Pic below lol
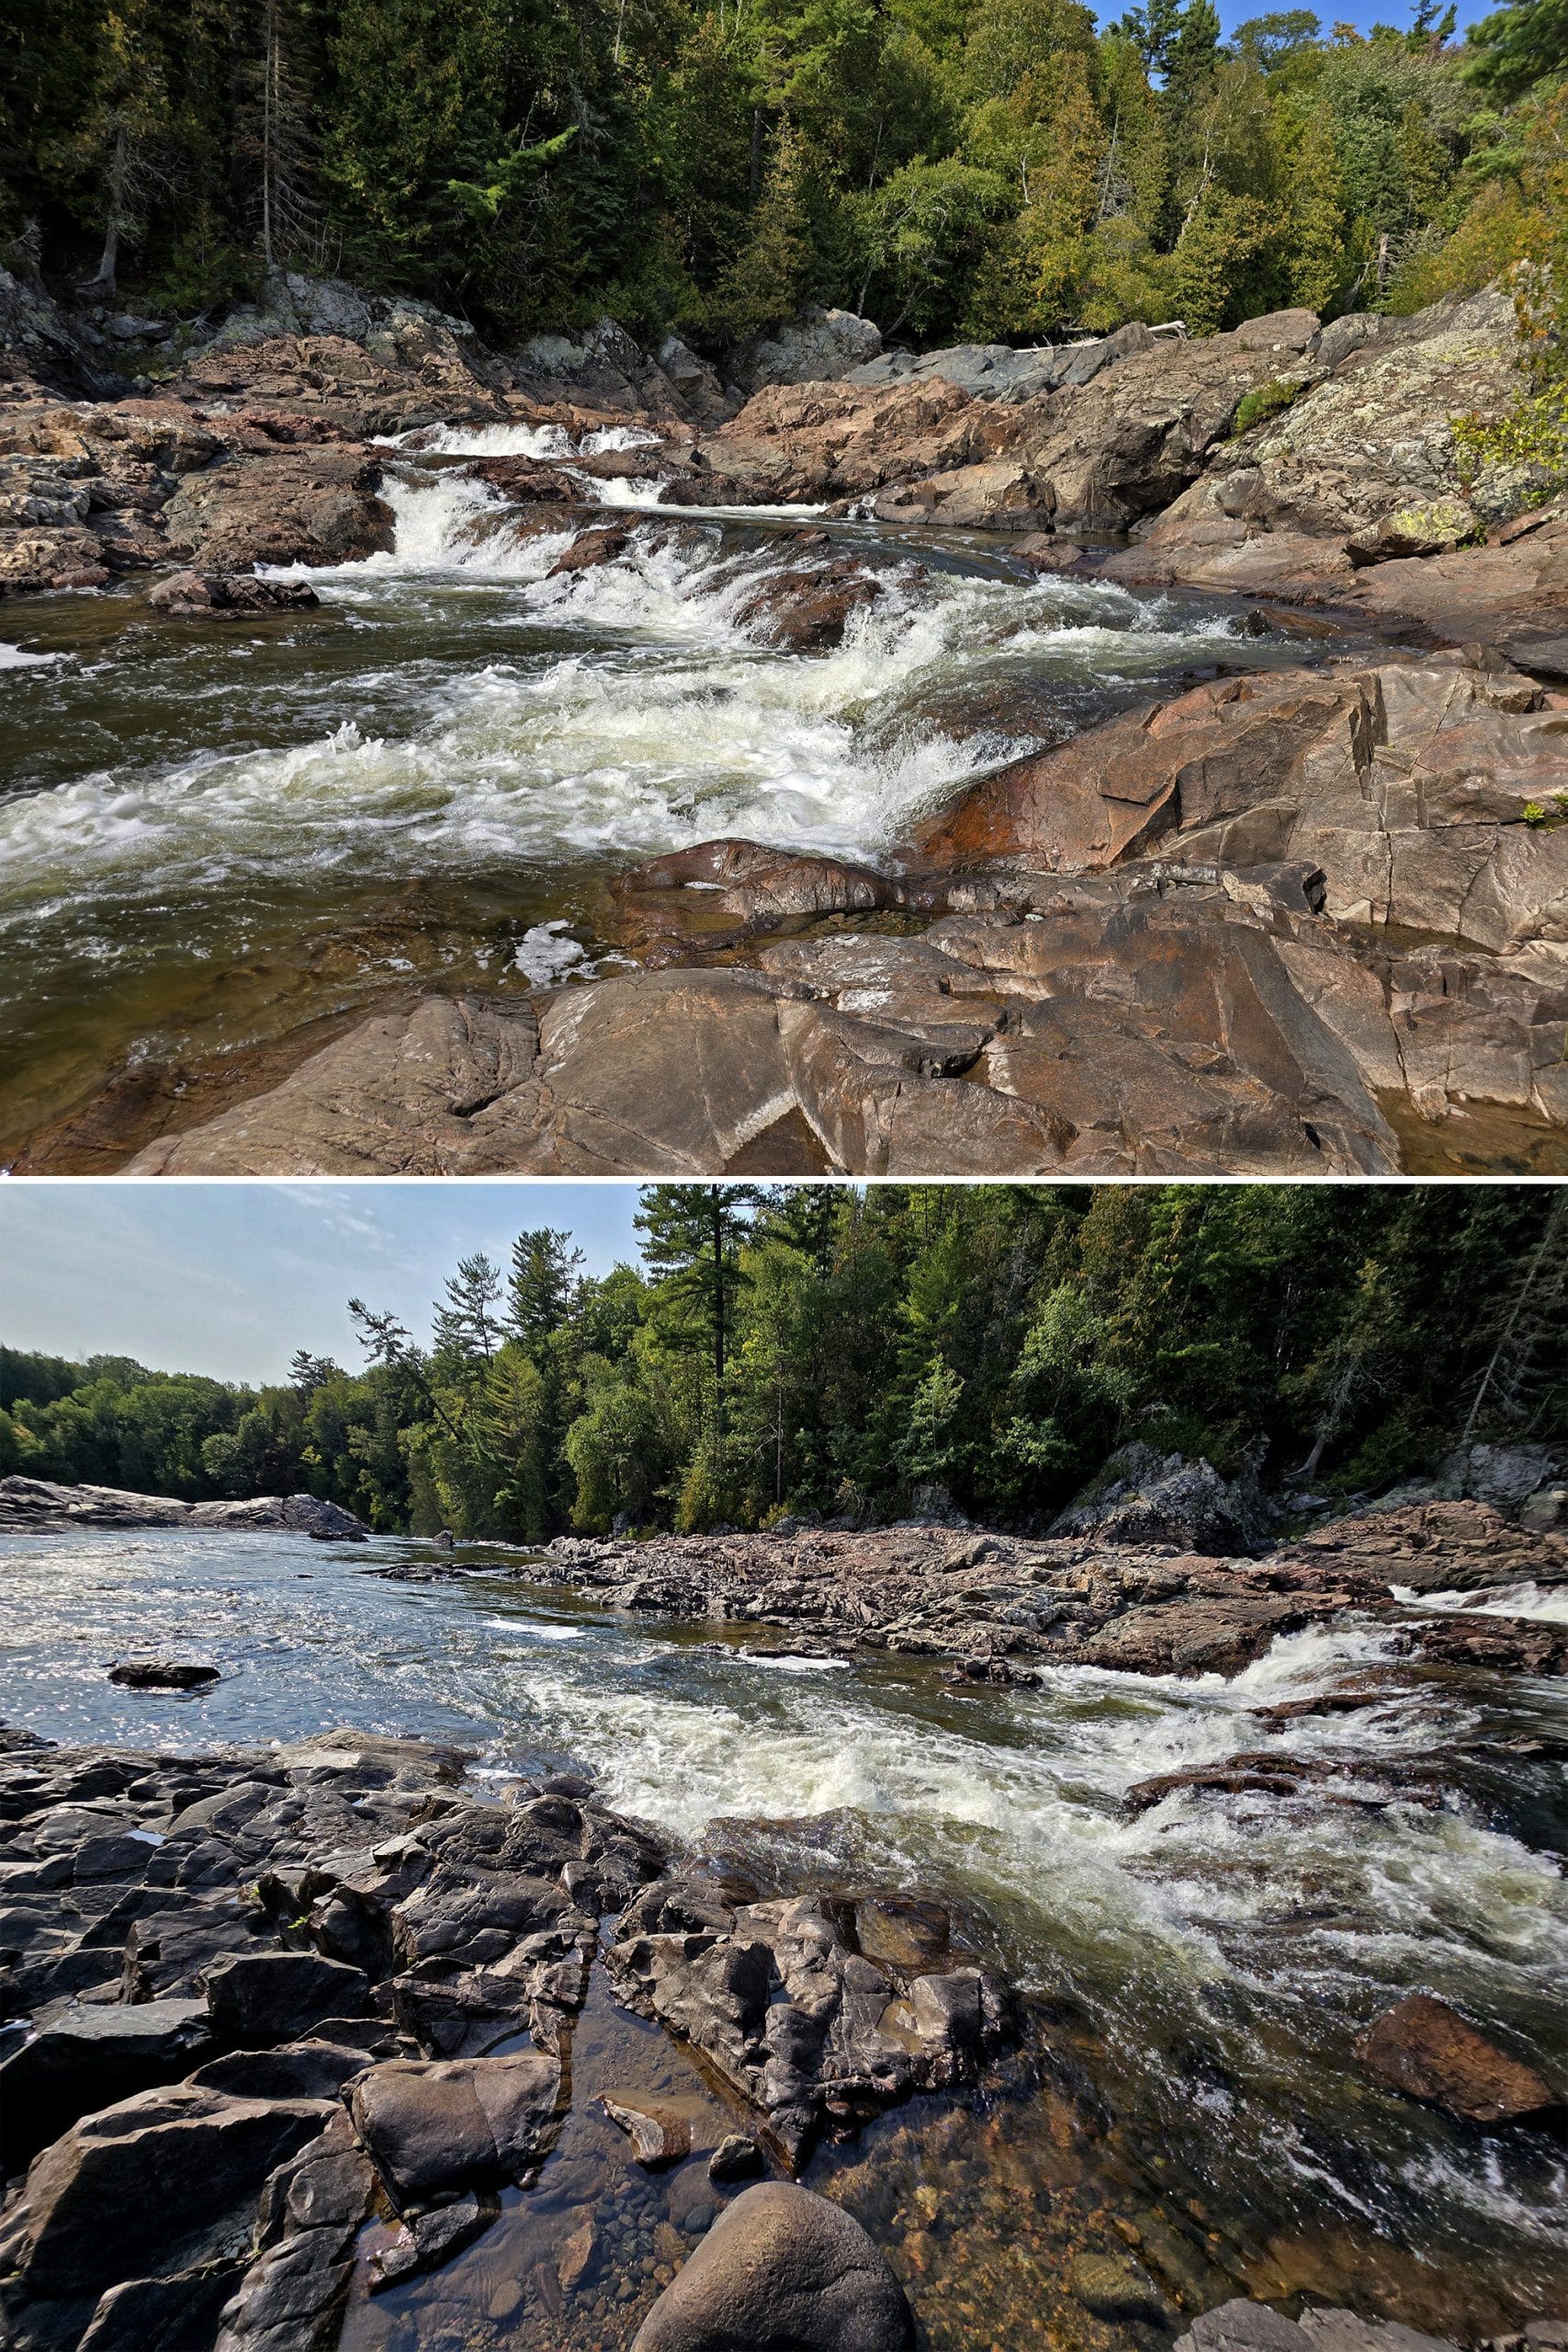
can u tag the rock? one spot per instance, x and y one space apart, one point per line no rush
1424 2048
1141 1497
227 595
180 2314
427 2240
804 2028
781 2270
313 2068
735 2158
808 610
433 2127
85 2221
657 2137
1279 331
292 2296
40 1503
818 347
1405 787
257 1999
163 1674
1429 526
1241 2327
92 2057
313 506
1115 2287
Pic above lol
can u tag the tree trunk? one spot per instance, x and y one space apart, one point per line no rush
103 281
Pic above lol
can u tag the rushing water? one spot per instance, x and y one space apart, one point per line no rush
1199 1972
214 834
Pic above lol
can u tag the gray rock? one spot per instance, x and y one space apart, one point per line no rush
257 1999
1140 1497
89 2058
782 2271
433 2127
85 2219
818 347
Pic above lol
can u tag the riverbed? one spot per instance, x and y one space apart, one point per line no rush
217 840
1187 2098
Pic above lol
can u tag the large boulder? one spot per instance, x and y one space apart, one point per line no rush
816 348
434 2127
300 505
1423 2047
782 2271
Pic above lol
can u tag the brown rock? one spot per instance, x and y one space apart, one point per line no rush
436 2126
782 2271
227 595
1423 2047
299 506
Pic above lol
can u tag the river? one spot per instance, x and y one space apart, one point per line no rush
1197 1973
215 836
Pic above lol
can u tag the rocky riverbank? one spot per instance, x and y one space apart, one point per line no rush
41 1505
331 2003
1002 1606
1309 922
326 1999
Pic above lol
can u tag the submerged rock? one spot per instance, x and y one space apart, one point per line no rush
1423 2047
782 2271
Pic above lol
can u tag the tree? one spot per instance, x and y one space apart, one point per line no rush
693 1234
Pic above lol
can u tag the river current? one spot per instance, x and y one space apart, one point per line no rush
215 835
1197 1973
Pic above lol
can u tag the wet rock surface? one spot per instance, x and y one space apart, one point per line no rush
788 2272
1425 2048
322 1985
1338 914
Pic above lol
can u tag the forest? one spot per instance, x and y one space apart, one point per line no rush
994 169
825 1349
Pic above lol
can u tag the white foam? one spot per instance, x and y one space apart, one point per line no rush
544 955
18 657
530 1629
1547 1605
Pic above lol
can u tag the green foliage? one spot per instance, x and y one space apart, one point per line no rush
986 167
1264 401
1000 1340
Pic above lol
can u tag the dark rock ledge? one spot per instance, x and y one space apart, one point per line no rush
311 1985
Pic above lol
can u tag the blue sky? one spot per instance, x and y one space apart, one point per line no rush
230 1279
1338 12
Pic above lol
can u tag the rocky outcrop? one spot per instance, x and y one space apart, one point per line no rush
993 1602
818 347
783 2271
1242 2326
42 1504
1423 2047
227 595
1140 1497
1446 1546
790 2012
299 506
1415 789
223 1907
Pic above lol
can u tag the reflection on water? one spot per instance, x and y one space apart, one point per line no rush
213 833
1189 2101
